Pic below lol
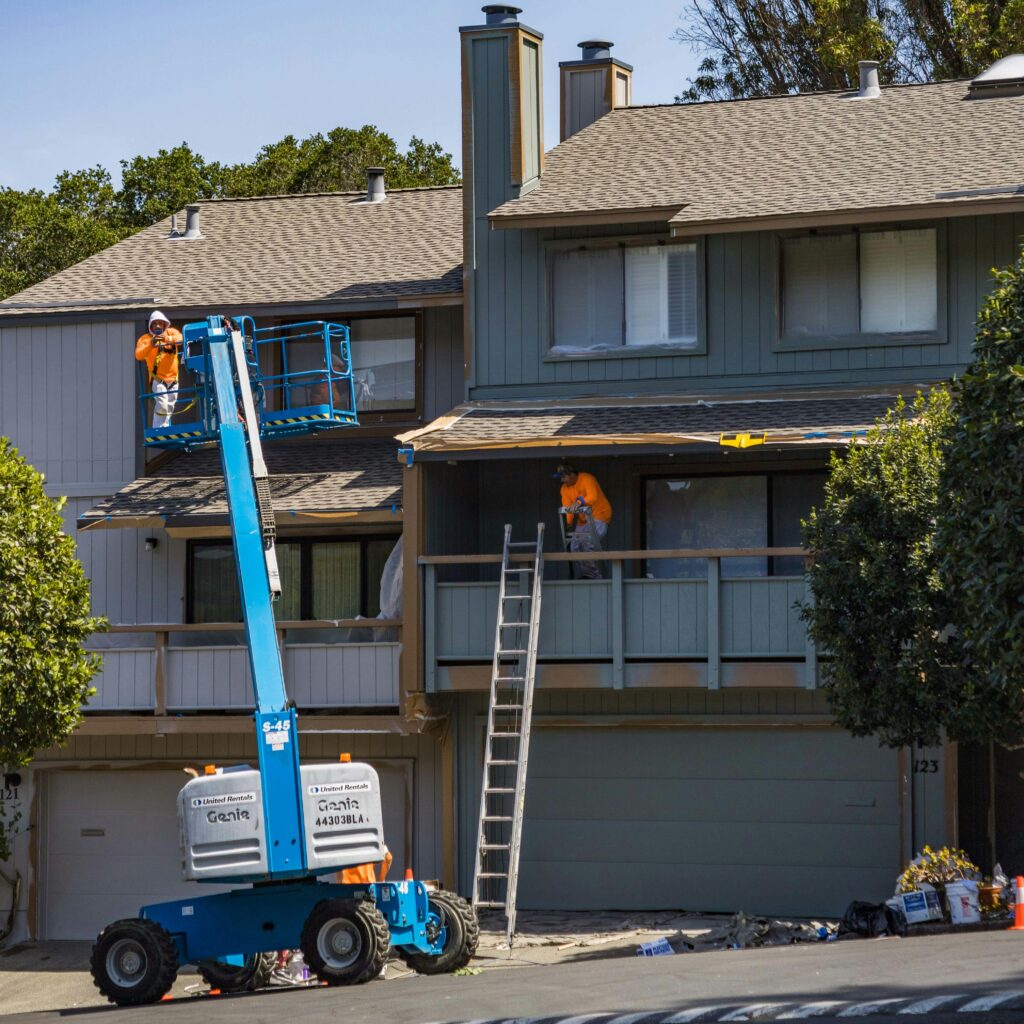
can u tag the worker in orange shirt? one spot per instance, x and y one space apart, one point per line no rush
159 350
583 489
365 874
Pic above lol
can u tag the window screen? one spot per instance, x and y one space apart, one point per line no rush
898 284
586 293
819 285
707 512
214 584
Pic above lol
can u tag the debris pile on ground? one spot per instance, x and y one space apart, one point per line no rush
744 931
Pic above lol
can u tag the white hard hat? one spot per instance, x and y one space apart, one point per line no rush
157 315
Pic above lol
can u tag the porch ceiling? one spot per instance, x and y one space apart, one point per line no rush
825 419
325 482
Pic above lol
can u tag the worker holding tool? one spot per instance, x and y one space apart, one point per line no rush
159 350
581 490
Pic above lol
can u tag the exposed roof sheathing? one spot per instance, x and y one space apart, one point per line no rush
736 161
325 481
828 419
300 249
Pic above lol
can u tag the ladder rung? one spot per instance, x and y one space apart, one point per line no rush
492 874
499 789
489 903
500 764
522 543
504 735
497 817
495 846
510 650
528 568
506 707
517 597
513 625
510 679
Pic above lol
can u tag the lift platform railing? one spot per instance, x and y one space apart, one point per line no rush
301 377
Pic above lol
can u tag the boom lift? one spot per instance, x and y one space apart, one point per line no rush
277 828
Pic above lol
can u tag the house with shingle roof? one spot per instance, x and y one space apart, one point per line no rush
696 303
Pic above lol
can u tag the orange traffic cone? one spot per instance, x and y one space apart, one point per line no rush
409 876
1018 907
166 997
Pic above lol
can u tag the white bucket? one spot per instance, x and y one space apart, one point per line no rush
963 902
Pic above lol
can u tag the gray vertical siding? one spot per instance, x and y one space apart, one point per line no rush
511 342
586 100
67 400
129 583
444 383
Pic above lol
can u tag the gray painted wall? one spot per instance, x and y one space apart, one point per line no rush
511 332
67 402
444 384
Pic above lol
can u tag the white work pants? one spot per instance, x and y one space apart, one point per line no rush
584 539
165 394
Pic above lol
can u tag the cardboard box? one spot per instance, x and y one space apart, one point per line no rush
919 907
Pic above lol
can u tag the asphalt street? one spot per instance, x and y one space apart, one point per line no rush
970 967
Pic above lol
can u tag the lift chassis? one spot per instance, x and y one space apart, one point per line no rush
266 829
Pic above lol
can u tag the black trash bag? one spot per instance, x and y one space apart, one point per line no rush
870 920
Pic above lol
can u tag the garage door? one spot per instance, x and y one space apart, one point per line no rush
111 845
771 822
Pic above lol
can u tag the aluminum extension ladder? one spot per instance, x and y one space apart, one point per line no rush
507 746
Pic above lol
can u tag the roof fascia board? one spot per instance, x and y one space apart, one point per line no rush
353 306
197 525
878 214
630 215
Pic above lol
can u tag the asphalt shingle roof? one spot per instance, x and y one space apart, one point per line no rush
308 477
783 156
333 247
822 419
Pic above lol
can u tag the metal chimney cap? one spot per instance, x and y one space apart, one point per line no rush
869 85
596 49
375 191
501 14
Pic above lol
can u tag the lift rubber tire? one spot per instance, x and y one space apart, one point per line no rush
463 934
253 974
134 962
344 942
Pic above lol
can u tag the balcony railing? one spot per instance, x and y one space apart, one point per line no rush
171 670
731 631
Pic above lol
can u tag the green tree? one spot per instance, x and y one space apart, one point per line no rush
770 47
42 233
981 528
879 607
154 187
44 621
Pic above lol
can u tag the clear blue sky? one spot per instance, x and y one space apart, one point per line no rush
88 83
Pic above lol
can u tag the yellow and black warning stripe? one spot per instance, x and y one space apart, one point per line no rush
174 437
297 419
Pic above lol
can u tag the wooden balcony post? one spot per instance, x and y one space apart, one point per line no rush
618 628
159 673
714 632
410 672
430 627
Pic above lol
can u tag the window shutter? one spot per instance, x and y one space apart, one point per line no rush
646 320
587 298
819 278
898 289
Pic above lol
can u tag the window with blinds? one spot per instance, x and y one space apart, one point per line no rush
869 282
627 297
320 579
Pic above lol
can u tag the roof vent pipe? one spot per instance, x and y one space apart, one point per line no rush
375 185
174 227
501 14
596 49
192 221
869 87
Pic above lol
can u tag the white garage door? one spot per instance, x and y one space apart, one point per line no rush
772 822
111 845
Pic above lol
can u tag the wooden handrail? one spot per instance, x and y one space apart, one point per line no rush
621 556
237 627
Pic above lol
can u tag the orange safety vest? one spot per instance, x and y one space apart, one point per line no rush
587 488
365 874
162 365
